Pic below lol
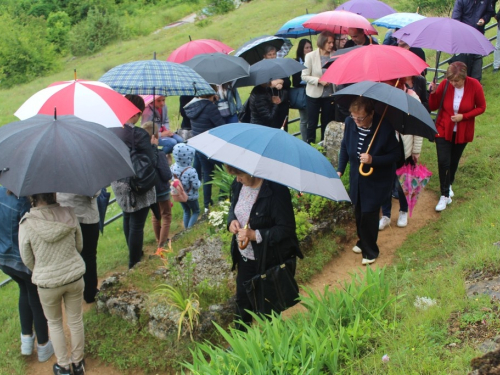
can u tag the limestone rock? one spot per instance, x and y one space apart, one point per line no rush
334 133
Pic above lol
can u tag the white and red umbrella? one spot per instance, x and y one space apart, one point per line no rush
89 100
339 22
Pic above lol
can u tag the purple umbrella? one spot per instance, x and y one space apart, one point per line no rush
444 35
367 8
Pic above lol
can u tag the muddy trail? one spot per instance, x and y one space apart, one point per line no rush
333 274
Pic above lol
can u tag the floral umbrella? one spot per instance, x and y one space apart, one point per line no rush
413 179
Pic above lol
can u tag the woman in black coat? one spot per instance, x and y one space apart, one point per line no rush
267 209
263 106
367 193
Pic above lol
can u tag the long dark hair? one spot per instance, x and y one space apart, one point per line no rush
300 49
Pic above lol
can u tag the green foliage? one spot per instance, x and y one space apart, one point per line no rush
221 6
222 180
95 32
335 331
303 225
58 27
25 52
429 7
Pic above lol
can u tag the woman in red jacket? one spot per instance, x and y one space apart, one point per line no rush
463 101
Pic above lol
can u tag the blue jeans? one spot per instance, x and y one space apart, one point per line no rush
207 167
231 119
168 143
191 212
387 204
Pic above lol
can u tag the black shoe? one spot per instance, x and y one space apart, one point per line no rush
79 369
59 370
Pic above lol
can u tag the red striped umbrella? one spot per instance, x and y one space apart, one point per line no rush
89 100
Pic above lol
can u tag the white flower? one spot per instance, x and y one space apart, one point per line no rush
423 303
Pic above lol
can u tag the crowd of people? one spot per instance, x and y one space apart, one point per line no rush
49 241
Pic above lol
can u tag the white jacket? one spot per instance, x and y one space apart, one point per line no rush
312 73
50 240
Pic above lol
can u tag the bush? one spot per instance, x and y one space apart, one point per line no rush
429 7
58 28
94 33
222 6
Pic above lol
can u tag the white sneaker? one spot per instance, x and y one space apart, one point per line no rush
45 352
365 261
452 194
443 202
384 222
356 249
402 219
27 344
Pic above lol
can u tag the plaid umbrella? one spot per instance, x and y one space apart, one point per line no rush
156 77
285 48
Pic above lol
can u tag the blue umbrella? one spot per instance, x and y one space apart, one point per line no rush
156 77
274 155
397 20
294 28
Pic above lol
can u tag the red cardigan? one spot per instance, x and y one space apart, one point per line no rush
473 104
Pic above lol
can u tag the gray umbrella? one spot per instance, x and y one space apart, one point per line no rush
68 155
218 68
268 69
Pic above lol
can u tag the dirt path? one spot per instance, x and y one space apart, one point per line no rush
334 273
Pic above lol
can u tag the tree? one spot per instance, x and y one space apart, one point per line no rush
58 28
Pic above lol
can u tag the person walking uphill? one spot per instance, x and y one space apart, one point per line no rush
50 242
12 209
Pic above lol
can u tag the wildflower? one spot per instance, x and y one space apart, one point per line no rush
423 303
385 358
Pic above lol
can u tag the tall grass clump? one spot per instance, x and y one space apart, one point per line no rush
335 331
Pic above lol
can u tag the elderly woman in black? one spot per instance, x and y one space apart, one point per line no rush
267 209
367 193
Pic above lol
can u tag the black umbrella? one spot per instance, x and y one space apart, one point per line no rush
406 114
253 50
64 154
218 68
269 69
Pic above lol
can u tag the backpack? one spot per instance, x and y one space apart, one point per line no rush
145 171
177 190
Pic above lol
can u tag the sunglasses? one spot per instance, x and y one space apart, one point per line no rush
358 118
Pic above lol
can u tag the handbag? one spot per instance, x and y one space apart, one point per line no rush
297 96
274 289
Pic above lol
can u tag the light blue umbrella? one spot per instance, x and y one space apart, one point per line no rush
294 28
274 155
397 20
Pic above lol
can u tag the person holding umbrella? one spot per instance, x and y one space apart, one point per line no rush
368 193
318 92
305 46
459 100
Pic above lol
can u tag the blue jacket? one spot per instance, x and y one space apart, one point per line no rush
204 115
184 156
12 209
471 11
385 151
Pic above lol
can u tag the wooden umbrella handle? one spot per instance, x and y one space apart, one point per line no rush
370 145
243 244
364 173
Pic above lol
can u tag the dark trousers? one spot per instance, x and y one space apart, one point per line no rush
387 204
314 105
90 234
30 309
448 155
133 228
367 228
207 168
246 270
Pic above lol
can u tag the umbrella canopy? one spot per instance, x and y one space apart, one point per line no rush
374 63
67 155
406 114
294 28
367 8
413 180
274 155
253 50
218 68
339 53
268 69
156 77
445 35
196 47
339 22
89 100
398 20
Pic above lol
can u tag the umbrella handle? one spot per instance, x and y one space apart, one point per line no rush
243 244
364 173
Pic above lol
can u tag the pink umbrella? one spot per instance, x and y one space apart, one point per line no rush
374 63
339 22
197 47
89 100
413 180
367 8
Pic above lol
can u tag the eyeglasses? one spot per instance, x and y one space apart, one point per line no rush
358 118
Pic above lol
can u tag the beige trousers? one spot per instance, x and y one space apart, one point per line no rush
72 296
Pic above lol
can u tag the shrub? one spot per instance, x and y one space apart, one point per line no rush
58 27
222 6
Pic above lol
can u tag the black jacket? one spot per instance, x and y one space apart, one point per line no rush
273 211
350 43
164 175
204 115
141 140
374 189
262 110
420 88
